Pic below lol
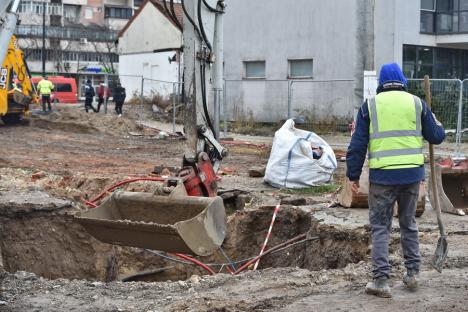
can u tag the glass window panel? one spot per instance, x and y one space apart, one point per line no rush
427 5
425 55
444 22
409 53
427 22
300 68
463 5
446 5
463 21
255 69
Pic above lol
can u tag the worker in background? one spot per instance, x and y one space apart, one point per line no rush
45 87
391 127
103 95
119 98
89 96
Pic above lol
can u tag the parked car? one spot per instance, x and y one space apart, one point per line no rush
65 89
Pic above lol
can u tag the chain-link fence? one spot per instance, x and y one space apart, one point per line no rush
323 105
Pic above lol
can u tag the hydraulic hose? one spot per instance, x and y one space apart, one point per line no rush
189 18
173 14
202 28
203 90
209 7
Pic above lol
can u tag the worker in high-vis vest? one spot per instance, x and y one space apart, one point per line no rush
45 87
390 129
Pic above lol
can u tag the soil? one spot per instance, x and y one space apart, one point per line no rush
50 263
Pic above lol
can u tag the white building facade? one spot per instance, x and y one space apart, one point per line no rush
150 48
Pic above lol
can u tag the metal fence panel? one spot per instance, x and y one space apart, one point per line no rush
446 96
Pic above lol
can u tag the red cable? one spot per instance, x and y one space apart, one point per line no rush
200 264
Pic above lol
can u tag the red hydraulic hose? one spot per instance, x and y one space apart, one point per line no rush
193 260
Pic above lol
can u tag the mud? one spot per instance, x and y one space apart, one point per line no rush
53 264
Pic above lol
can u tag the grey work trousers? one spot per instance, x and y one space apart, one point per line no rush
382 199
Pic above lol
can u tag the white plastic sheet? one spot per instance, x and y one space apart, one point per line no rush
291 163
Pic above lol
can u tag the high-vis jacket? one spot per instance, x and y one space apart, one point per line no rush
395 130
45 87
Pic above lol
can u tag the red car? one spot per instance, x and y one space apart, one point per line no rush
65 89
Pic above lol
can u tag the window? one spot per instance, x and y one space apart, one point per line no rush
88 13
63 87
446 16
254 69
427 5
300 68
439 63
115 12
137 3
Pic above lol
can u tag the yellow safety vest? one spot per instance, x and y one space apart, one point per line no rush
395 140
45 87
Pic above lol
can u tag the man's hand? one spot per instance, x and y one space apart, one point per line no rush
354 186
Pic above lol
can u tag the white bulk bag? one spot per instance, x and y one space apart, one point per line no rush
291 164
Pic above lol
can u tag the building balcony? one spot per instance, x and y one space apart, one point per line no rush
66 33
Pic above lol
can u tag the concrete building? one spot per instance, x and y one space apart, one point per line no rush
80 36
323 48
149 47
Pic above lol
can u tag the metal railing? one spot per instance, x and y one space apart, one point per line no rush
67 32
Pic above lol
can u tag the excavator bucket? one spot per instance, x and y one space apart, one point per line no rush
349 199
174 223
452 186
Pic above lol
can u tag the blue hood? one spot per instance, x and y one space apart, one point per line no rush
392 73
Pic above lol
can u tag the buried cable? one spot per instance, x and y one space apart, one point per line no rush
233 266
195 261
275 249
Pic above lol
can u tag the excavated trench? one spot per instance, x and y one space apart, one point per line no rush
47 241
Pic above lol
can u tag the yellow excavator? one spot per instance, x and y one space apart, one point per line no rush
16 88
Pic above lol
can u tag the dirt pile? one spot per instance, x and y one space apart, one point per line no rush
71 119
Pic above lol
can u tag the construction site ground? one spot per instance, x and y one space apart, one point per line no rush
50 164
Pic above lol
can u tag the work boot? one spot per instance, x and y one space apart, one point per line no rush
411 279
379 287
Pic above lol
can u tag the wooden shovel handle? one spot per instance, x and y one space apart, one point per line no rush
435 193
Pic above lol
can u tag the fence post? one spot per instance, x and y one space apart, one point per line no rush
289 99
106 87
174 90
224 111
458 153
141 91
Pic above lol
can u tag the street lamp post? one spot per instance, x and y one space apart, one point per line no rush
43 38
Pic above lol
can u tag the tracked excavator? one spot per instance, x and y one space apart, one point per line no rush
16 88
184 215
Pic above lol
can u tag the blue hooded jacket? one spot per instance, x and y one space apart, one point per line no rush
391 78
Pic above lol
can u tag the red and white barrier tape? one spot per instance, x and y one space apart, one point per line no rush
268 235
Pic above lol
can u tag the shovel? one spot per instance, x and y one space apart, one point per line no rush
442 246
